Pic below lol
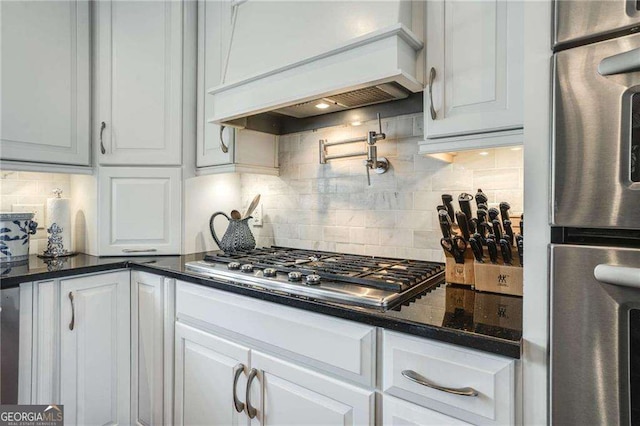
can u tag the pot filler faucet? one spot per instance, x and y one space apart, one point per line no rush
379 165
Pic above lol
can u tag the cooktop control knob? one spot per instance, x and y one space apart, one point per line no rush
234 266
269 272
295 276
313 279
246 268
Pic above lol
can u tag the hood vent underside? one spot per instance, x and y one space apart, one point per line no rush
347 100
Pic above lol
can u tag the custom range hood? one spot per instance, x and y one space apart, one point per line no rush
282 77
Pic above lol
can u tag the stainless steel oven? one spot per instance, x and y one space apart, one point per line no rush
578 21
596 95
595 335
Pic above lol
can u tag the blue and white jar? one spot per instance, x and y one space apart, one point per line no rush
15 229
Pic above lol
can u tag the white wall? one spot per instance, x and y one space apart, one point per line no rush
204 196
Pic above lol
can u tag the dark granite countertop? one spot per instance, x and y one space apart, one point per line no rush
449 313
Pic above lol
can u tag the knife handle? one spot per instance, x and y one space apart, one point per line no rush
497 229
464 200
447 199
476 247
493 213
504 210
522 224
445 223
508 231
493 250
481 198
505 249
482 215
520 246
480 239
463 225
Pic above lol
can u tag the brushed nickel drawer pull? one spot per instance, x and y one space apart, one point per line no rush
237 371
417 378
73 312
251 411
139 250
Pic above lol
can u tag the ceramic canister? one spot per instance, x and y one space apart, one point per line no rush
15 229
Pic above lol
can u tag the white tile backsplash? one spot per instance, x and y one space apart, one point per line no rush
31 188
330 207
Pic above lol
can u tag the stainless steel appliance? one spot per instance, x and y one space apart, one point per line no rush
374 282
595 215
580 21
9 344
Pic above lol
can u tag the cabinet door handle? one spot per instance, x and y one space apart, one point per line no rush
223 147
102 126
151 250
251 411
73 312
417 378
237 371
432 76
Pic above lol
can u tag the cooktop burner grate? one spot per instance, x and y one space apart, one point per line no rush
376 272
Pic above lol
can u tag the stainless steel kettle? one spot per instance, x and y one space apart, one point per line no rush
237 237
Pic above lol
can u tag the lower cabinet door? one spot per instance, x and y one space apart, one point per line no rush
396 412
292 395
152 323
205 367
95 349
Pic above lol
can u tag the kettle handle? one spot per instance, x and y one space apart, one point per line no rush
213 232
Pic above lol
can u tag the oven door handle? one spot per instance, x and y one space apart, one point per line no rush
618 275
621 63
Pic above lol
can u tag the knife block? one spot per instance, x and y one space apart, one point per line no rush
496 278
459 273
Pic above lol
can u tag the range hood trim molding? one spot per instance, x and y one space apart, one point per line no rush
399 30
380 57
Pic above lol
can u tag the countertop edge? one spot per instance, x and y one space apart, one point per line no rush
484 343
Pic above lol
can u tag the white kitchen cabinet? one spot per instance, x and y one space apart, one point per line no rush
396 412
475 58
95 349
152 326
290 394
224 149
138 82
45 97
139 211
205 369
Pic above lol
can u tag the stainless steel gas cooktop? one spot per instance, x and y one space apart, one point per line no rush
378 282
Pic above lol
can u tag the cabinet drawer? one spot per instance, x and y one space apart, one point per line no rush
341 347
449 367
396 412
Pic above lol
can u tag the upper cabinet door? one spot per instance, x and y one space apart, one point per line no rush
214 25
474 59
138 82
45 81
139 211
